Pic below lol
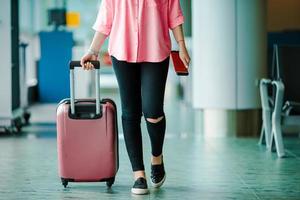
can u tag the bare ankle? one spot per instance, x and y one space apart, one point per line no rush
139 174
156 160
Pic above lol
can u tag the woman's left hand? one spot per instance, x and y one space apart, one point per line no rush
184 56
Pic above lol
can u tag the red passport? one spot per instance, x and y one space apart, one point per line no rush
179 66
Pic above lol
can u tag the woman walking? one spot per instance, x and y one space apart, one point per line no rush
140 46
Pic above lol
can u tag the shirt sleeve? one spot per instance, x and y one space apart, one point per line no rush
176 17
104 19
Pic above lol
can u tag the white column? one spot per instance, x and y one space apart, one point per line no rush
229 58
251 51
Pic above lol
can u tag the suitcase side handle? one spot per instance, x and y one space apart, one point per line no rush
74 64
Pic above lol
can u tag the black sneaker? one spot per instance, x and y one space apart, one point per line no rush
140 186
158 175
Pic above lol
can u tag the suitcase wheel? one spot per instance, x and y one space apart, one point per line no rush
64 182
110 182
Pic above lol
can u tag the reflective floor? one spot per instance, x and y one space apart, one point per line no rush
197 167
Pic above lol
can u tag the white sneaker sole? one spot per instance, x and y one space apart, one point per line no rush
157 185
139 191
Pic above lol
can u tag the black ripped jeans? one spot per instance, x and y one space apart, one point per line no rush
142 89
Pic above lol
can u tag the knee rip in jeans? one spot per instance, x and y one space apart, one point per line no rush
155 120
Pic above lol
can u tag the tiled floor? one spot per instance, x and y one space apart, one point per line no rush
197 167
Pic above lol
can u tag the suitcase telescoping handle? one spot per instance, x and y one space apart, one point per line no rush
74 64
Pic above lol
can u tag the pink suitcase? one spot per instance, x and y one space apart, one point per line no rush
87 137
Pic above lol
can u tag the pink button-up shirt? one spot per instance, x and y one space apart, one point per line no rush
139 29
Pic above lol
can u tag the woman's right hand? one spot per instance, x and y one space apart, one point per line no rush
86 65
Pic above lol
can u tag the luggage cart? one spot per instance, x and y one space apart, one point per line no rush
11 114
16 118
23 85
